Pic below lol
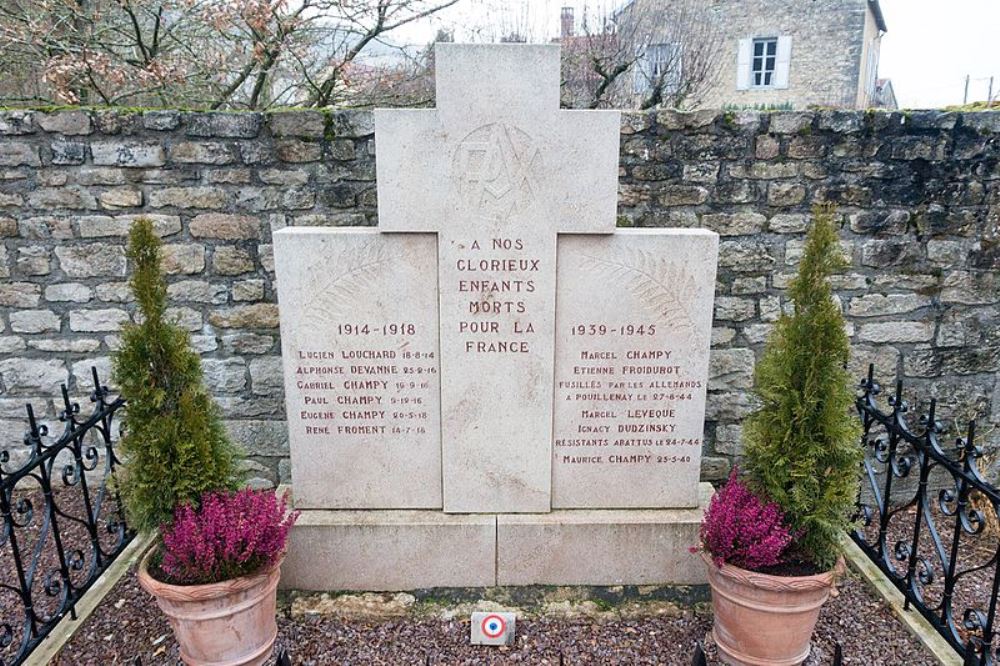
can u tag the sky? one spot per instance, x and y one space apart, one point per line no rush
930 48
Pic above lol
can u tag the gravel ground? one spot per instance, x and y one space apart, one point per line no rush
975 552
128 625
74 537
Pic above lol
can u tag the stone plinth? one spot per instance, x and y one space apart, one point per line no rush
389 550
602 547
409 550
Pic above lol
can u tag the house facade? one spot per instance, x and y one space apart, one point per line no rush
777 53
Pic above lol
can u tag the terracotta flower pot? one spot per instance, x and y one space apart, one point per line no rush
231 623
763 620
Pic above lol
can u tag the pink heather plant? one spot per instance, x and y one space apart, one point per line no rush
741 529
228 536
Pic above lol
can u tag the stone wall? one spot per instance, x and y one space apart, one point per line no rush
919 194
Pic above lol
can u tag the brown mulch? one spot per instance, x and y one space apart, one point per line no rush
128 625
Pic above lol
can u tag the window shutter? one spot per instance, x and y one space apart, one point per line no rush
743 57
783 64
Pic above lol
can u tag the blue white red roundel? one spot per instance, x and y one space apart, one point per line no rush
493 626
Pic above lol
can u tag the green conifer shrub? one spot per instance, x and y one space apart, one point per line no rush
174 442
802 445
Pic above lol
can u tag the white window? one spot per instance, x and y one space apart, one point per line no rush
658 66
765 57
763 62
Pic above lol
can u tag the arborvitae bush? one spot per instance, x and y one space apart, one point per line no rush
802 448
175 444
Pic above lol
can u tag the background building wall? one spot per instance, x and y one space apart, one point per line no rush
827 40
919 195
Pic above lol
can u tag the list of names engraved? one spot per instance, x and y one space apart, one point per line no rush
631 370
359 330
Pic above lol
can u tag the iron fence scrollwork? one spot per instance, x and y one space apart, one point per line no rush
63 521
923 514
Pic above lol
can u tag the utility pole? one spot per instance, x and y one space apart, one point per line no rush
965 98
989 95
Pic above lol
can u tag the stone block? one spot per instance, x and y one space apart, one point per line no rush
73 292
730 369
122 197
99 226
390 551
247 343
791 122
589 547
258 315
183 258
72 197
128 154
198 291
683 195
283 176
107 320
728 308
68 152
303 124
734 224
188 197
187 318
16 153
225 227
72 122
265 375
248 290
19 294
876 305
63 345
297 151
114 292
229 260
781 195
34 321
208 152
161 121
224 124
897 331
45 227
24 376
93 260
227 375
32 260
16 122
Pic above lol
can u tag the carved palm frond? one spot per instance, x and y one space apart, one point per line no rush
664 287
344 293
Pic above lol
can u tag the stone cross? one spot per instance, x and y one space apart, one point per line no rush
497 170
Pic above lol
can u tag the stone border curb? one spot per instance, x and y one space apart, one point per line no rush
47 650
914 622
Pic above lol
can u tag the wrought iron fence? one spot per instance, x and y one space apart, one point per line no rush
63 523
928 519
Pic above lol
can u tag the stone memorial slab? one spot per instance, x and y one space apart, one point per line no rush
497 170
634 313
359 336
495 385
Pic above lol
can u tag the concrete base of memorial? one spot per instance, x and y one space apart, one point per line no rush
409 550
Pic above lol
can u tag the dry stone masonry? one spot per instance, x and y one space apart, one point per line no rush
919 193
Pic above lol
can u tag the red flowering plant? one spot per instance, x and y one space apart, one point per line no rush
744 530
227 535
